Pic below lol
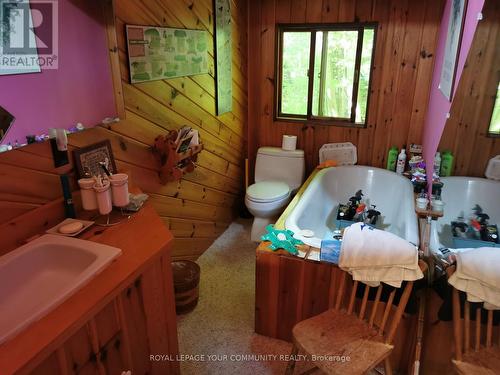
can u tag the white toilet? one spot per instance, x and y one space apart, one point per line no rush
278 175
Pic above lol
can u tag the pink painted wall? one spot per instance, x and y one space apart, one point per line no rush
439 106
80 90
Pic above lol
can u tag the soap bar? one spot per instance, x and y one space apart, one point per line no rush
70 228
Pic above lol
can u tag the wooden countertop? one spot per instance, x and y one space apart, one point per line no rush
142 239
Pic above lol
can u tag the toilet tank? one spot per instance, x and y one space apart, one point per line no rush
273 163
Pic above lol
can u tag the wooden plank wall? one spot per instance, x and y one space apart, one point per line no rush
466 130
402 71
198 208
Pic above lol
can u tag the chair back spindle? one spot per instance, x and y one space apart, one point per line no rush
464 343
370 313
375 306
340 295
478 329
352 298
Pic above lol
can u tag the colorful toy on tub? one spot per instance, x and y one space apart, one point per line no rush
478 229
372 216
356 211
350 210
281 239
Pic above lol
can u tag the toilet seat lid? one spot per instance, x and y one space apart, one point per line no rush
265 191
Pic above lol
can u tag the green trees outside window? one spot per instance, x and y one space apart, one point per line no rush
495 117
323 72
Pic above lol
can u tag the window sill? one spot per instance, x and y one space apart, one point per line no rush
321 122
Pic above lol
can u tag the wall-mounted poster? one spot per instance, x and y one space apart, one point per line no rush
223 56
160 53
18 42
452 47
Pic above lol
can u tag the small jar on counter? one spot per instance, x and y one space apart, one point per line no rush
103 194
119 187
89 200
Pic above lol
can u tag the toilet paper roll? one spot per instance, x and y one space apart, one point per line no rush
289 142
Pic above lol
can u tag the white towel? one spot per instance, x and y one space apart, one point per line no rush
373 256
477 275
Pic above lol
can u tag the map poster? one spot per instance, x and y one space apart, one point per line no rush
161 53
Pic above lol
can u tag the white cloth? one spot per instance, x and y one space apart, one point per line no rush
478 276
373 256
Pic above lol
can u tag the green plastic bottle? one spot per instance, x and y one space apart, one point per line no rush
392 158
446 164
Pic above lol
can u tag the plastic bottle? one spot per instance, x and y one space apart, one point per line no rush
392 157
437 163
400 168
446 164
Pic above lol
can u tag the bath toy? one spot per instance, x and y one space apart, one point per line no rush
372 215
356 198
281 239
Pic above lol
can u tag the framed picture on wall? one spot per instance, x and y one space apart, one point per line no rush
452 47
156 53
222 56
88 159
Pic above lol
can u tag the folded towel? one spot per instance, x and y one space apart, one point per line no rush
367 247
477 275
373 256
393 276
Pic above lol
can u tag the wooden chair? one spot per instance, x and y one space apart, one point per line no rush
338 333
476 355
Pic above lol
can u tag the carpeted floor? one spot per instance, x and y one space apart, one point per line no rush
221 328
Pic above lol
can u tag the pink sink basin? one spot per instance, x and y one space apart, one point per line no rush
39 276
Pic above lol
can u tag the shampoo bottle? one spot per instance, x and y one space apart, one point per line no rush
446 164
400 168
392 158
437 163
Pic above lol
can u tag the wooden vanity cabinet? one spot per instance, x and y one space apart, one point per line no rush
137 322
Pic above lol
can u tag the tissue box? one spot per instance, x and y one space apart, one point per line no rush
330 251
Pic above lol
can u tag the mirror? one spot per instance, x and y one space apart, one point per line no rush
494 128
6 120
75 83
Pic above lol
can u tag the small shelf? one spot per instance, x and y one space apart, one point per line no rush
429 213
193 150
165 151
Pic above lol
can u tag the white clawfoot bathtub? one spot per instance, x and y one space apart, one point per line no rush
460 195
391 193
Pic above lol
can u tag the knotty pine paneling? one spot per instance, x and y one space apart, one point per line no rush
199 207
465 133
405 46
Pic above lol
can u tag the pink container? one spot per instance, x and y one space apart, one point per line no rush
119 188
88 194
103 194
